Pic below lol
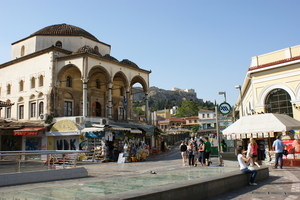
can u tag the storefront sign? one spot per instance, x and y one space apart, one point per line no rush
28 131
64 125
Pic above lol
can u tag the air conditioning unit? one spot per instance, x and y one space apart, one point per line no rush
44 116
79 120
104 121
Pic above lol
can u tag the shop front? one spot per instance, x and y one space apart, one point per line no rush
33 138
115 143
64 135
264 128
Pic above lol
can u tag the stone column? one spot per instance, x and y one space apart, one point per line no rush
146 108
109 114
84 107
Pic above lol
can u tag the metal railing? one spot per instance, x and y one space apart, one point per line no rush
21 161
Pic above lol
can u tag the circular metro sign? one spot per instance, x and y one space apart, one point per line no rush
224 108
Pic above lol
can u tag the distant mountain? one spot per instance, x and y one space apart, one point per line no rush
160 99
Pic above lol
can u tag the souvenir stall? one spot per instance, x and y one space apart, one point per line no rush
264 128
114 143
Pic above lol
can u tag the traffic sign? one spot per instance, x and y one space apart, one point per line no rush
224 108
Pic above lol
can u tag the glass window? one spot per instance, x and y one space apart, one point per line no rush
32 82
21 85
69 81
58 44
98 84
41 108
21 112
8 112
23 50
33 109
279 101
68 108
41 80
8 89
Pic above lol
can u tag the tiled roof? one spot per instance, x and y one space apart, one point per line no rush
274 63
5 104
130 63
65 30
86 49
193 117
205 111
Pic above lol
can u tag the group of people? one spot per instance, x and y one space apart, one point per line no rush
251 156
196 152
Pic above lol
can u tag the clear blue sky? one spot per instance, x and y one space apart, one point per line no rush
204 45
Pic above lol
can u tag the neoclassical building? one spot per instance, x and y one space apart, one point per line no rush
64 71
272 84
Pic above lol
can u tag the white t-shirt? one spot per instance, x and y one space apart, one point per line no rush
241 162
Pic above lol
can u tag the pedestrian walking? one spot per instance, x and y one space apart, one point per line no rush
207 151
201 151
243 167
252 152
223 149
183 149
278 147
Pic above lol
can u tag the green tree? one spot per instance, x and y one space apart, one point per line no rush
195 128
188 109
140 111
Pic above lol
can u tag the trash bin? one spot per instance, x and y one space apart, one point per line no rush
214 150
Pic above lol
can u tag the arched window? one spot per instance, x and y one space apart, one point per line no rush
41 81
32 82
21 85
23 50
8 89
96 48
68 81
98 84
279 101
58 44
41 108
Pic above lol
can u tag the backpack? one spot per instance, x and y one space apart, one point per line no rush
183 147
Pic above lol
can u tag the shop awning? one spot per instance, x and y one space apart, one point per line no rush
91 130
118 128
268 122
137 131
28 131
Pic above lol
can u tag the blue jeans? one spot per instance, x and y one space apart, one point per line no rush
253 174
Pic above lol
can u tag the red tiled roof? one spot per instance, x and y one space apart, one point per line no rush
205 111
274 63
5 104
192 117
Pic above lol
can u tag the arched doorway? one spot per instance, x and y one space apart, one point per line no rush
96 109
279 101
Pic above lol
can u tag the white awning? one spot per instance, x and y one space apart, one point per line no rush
137 131
92 129
118 128
62 133
263 123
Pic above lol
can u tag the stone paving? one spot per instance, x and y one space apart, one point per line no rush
282 184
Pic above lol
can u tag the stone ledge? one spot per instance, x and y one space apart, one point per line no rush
42 176
195 189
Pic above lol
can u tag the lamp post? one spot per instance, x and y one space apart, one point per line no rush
240 88
220 93
217 127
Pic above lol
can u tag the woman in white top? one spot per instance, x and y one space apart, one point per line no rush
243 167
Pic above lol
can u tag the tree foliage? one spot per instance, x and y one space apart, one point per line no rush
188 109
195 128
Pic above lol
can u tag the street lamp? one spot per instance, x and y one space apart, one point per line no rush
217 128
240 88
220 93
